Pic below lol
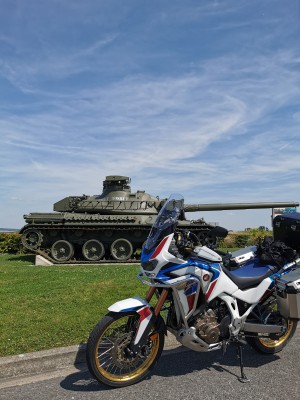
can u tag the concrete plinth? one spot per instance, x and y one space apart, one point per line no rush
41 261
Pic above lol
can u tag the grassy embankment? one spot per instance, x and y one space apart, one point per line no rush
46 307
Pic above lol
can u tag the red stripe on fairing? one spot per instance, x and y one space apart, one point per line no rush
266 294
211 288
159 248
144 313
191 301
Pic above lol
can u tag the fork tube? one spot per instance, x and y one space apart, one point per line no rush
161 301
150 293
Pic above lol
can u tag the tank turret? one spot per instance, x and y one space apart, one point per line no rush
116 198
110 226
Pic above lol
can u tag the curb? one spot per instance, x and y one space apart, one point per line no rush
41 361
46 361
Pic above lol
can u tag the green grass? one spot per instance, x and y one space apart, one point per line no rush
46 307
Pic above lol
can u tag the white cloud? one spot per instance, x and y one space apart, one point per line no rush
216 126
178 114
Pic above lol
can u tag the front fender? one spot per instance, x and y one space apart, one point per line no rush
142 308
146 322
131 304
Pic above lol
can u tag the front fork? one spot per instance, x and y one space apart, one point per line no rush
149 319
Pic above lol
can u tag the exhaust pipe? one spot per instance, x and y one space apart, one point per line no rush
261 328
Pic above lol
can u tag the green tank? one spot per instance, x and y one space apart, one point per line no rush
111 226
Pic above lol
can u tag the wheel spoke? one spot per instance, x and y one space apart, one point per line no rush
108 361
105 352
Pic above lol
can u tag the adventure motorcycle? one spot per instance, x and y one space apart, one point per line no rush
200 299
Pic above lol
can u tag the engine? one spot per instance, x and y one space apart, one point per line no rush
213 324
208 328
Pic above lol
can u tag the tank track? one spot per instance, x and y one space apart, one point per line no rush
43 231
65 230
83 262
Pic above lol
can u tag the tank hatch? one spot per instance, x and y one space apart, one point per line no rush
115 183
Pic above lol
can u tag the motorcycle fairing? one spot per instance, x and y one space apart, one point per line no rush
224 285
252 281
163 259
190 292
253 295
219 282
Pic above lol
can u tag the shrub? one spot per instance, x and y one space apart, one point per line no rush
10 243
256 235
243 239
230 240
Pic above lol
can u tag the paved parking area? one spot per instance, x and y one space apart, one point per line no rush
180 374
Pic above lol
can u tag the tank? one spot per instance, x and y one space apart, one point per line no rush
111 226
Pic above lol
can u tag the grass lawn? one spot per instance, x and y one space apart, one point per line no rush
46 307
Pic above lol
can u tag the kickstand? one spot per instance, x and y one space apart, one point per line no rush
243 378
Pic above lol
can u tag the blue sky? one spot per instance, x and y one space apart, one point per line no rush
197 97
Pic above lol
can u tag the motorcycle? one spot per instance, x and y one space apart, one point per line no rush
194 294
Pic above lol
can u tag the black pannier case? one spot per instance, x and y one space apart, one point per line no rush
286 228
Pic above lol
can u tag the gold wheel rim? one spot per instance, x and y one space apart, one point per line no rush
108 368
272 344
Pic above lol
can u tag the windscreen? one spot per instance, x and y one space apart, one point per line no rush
166 221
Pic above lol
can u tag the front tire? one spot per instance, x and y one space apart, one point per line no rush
108 354
276 344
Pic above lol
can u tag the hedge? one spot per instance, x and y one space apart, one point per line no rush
243 239
11 243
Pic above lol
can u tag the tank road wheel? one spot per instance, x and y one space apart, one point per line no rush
108 353
32 239
62 250
93 250
121 249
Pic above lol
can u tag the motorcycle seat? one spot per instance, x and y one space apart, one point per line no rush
251 274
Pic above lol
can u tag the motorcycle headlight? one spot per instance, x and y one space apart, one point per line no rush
149 265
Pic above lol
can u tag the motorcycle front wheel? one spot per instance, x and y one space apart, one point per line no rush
275 344
109 358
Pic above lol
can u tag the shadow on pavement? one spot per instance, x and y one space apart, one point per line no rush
179 362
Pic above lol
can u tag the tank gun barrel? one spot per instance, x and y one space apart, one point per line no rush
237 206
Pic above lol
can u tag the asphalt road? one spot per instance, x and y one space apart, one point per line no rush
180 374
